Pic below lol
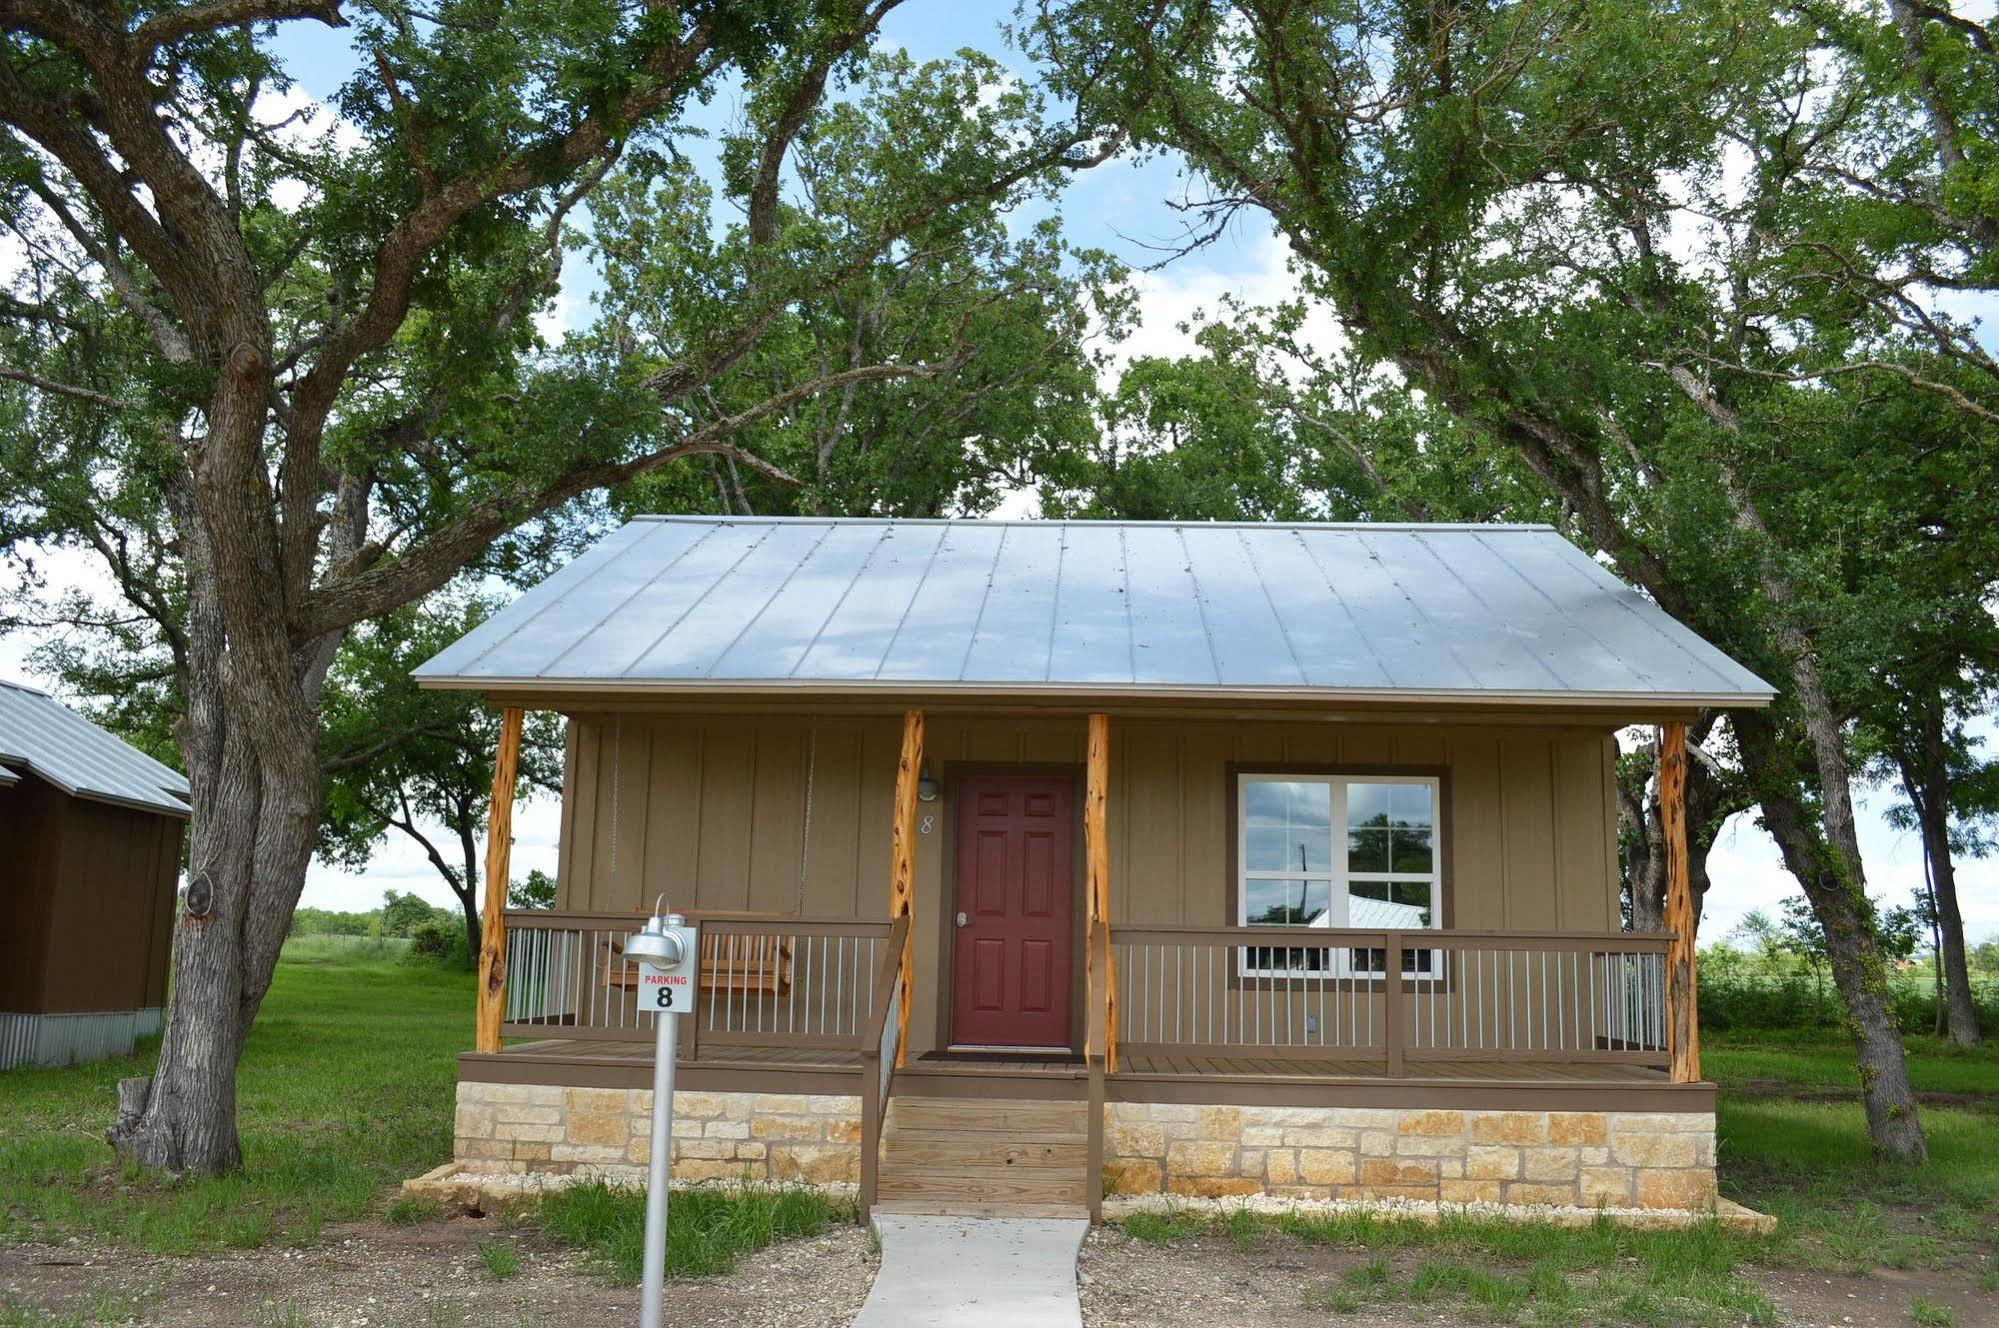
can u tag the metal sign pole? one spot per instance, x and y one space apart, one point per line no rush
664 1048
668 952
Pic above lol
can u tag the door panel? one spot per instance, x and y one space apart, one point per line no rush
1015 885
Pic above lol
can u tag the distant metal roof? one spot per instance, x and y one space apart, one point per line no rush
1093 607
40 734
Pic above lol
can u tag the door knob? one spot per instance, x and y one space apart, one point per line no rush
961 919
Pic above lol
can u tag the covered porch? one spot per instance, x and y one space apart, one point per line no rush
1470 1042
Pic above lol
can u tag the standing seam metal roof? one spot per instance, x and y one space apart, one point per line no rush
40 734
730 603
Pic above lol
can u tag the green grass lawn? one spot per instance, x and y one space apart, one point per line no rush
1792 1142
346 1088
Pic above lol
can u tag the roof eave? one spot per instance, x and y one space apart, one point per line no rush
1023 691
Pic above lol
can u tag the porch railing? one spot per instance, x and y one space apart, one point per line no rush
879 1053
1280 993
765 981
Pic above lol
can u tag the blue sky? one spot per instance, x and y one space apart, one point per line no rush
1123 208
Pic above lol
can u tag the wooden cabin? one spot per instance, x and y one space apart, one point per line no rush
91 829
1037 862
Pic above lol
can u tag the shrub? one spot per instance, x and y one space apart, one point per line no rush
441 941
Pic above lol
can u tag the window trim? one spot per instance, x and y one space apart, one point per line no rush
1442 828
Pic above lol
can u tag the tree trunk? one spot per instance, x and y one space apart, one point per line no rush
468 896
1709 805
252 837
1852 947
1926 779
250 739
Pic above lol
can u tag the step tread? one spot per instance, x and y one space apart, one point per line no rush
969 1208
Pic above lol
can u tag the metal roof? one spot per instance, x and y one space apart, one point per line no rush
40 734
1093 607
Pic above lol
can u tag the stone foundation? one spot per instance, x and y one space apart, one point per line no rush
1585 1159
607 1132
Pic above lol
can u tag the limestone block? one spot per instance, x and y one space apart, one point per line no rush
1692 1188
1212 1187
703 1148
725 1129
591 1128
1321 1137
535 1134
1468 1191
1377 1143
1609 1186
1548 1163
1132 1175
1325 1166
1262 1136
1523 1192
782 1104
1280 1166
785 1127
1654 1150
843 1131
1200 1159
707 1170
507 1113
1577 1128
700 1106
1137 1141
751 1150
602 1100
1431 1123
472 1123
1220 1123
587 1153
1396 1171
1491 1162
1509 1127
814 1163
1425 1145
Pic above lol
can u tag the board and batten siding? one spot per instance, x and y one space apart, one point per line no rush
711 809
86 903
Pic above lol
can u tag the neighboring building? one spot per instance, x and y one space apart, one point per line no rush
90 846
1034 858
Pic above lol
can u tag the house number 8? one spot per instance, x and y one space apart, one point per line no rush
928 823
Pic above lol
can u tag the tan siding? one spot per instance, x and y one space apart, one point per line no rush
714 813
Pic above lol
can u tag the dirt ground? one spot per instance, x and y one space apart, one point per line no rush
427 1276
1208 1282
430 1276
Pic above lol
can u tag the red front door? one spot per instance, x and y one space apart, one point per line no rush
1015 925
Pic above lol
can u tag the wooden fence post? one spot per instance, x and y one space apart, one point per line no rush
493 918
1683 1032
902 866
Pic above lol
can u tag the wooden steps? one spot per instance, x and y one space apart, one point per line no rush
984 1157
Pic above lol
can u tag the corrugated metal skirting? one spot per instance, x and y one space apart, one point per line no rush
65 1039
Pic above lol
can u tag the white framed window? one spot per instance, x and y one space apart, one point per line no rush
1335 851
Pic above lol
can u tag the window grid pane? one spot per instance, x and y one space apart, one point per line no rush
1386 880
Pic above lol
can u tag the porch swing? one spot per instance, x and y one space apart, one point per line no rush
733 964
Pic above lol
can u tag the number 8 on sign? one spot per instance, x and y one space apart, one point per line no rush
666 990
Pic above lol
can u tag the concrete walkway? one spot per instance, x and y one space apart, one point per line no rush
975 1272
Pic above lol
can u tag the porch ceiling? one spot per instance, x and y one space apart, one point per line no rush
1362 615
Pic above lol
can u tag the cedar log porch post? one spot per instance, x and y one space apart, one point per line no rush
1100 977
493 920
902 867
1097 869
1683 1031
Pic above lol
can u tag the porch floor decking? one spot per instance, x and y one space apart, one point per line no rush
1250 1080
